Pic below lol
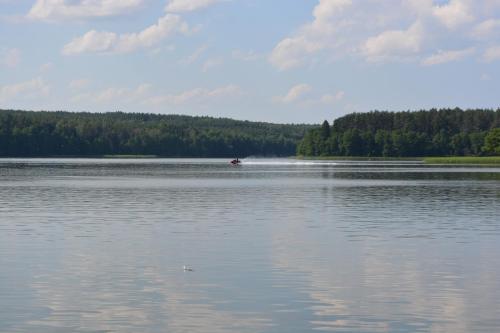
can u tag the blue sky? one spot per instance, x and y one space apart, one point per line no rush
269 60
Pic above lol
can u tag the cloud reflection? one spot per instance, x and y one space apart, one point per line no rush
360 277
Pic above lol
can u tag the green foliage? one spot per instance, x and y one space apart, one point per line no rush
325 130
490 160
405 134
492 142
91 134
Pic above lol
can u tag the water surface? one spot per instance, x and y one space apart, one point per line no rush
275 246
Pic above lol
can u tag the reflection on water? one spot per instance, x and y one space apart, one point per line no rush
276 246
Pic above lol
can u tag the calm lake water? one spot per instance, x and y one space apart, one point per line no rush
275 246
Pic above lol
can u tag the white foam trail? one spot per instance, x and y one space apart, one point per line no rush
288 162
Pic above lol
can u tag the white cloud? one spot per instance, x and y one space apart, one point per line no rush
28 89
178 6
212 63
10 58
116 96
121 94
193 57
311 38
79 84
46 67
332 98
290 52
92 41
296 93
143 95
447 56
393 44
491 54
323 100
245 55
161 49
111 94
75 9
198 95
454 13
110 42
486 29
303 96
420 7
328 8
381 30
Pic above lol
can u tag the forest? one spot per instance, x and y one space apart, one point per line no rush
30 134
444 132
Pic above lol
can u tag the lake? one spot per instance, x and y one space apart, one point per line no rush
275 245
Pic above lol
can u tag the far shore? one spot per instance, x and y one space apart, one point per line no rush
470 160
481 160
452 160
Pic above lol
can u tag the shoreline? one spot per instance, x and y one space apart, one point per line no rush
453 160
440 160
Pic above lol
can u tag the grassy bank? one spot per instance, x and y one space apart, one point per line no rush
486 160
358 158
490 160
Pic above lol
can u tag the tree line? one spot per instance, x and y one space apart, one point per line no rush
28 133
443 132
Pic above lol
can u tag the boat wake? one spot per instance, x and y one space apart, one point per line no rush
286 162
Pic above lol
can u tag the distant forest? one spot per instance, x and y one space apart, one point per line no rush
442 132
28 133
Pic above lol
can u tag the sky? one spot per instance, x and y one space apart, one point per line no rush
287 61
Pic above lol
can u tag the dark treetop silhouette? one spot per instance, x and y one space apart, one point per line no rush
31 133
406 134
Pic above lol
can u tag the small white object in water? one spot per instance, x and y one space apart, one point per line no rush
187 269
